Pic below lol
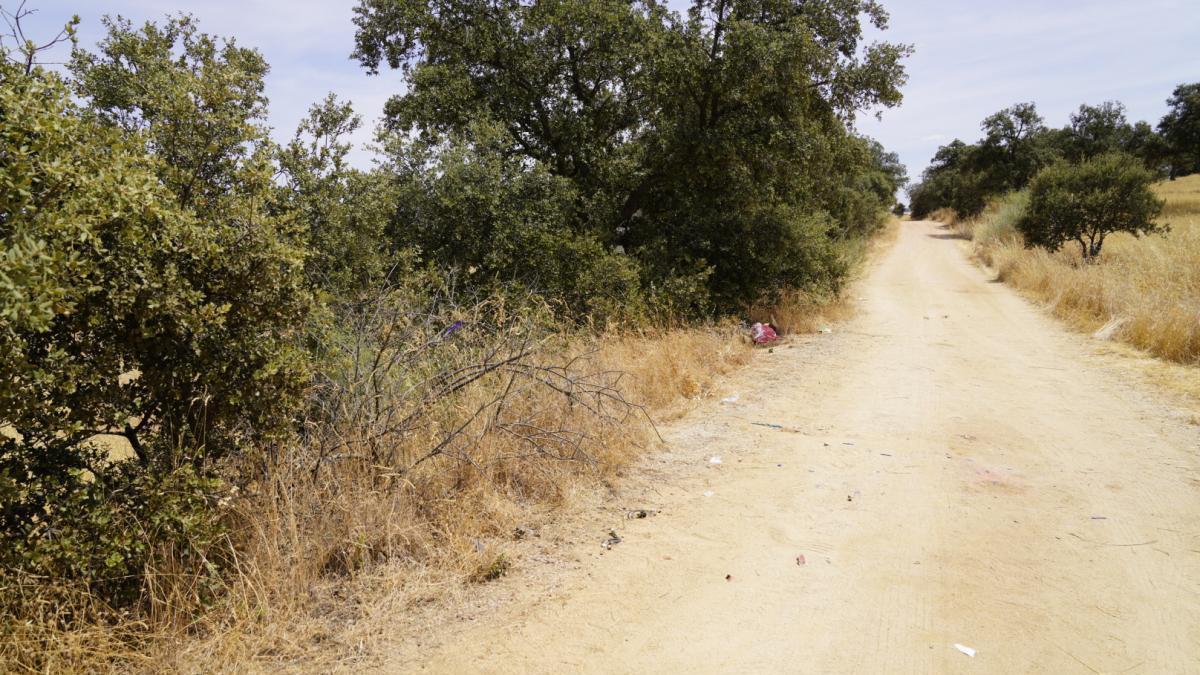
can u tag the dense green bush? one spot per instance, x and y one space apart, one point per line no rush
1084 203
343 211
101 532
475 210
126 316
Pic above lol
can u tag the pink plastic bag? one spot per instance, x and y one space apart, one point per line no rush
763 333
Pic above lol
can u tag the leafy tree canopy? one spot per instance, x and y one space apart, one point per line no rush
695 144
1180 128
1085 203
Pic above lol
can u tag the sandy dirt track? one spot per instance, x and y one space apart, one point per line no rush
954 468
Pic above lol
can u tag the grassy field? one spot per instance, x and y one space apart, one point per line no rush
1145 292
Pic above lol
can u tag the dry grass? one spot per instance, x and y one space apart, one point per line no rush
370 556
946 215
326 566
799 312
1145 292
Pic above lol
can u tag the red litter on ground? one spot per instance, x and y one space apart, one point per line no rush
762 333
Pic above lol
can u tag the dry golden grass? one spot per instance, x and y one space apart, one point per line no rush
452 526
325 568
799 312
1145 292
946 215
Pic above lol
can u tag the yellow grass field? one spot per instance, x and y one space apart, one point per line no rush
1145 292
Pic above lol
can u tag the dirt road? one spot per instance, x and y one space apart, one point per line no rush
954 468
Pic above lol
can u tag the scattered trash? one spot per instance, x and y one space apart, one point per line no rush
715 459
849 498
777 427
965 649
826 329
477 545
728 577
1107 331
640 513
779 465
763 333
613 540
1099 517
847 443
524 532
709 493
800 560
886 454
499 566
731 399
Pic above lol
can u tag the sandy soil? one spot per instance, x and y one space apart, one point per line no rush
953 467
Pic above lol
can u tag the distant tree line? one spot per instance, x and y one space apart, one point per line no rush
1017 144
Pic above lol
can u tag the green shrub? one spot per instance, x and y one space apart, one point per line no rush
124 315
1084 203
101 532
499 222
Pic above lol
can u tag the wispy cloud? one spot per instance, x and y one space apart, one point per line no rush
972 58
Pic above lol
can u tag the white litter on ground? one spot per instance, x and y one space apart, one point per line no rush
965 649
715 459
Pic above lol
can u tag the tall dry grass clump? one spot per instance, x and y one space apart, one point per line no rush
1143 291
801 312
335 556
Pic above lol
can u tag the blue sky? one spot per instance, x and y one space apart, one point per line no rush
973 58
